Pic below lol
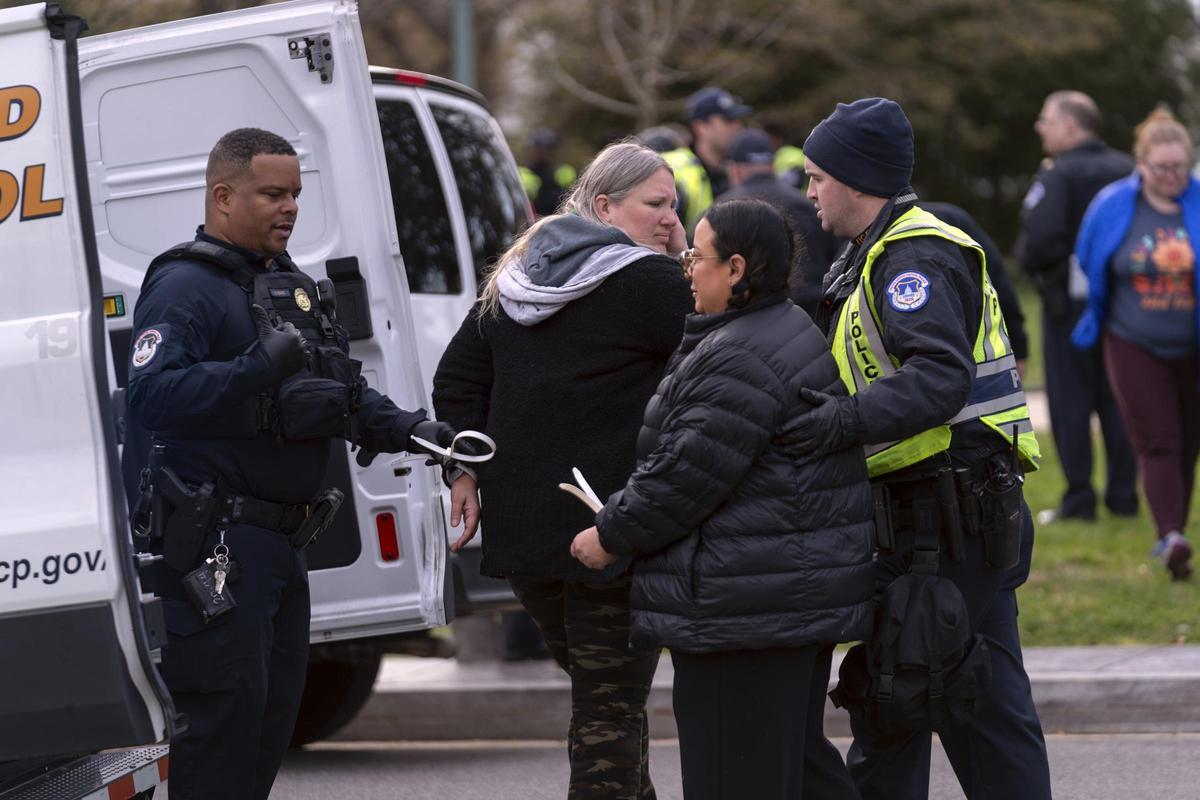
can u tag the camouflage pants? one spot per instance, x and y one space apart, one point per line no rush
587 630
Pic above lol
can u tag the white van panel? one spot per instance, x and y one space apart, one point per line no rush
69 605
55 490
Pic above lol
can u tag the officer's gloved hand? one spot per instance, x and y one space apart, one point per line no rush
283 346
831 425
440 433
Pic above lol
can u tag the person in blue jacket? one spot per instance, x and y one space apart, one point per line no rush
1136 247
242 377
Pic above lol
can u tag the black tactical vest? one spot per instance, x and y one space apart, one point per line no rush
320 401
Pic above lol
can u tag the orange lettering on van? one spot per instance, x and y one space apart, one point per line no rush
33 206
10 192
19 110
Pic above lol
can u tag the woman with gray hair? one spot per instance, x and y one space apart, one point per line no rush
556 362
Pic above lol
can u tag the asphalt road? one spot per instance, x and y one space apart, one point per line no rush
1126 767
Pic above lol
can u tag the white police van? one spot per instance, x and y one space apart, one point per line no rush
409 189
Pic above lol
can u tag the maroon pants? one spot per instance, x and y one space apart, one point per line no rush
1160 404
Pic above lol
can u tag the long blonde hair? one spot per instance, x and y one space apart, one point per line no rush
615 171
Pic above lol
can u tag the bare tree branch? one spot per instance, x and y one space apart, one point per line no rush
732 62
591 96
616 53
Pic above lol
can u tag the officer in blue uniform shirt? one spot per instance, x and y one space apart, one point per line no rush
936 404
239 370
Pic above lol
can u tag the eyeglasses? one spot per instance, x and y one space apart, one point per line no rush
1176 168
688 259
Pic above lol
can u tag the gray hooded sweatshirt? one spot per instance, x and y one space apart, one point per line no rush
567 258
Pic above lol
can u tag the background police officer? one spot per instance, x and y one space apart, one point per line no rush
920 345
224 385
546 180
1079 166
751 169
715 117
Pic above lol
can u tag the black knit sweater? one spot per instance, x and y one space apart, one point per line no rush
567 392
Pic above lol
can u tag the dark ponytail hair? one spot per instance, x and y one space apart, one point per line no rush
760 234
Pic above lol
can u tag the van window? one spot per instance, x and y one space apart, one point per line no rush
422 222
493 201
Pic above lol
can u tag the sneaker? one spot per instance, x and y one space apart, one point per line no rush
1175 553
1049 516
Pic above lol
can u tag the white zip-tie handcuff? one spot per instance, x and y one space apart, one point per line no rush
448 454
583 491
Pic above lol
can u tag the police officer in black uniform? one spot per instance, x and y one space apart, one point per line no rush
239 370
916 330
752 174
1080 164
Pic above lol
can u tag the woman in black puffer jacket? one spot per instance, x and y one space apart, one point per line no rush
750 564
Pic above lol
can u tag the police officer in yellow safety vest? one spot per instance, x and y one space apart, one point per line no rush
715 117
935 402
546 181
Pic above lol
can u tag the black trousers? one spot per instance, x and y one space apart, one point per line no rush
1076 386
239 678
751 726
1001 753
587 630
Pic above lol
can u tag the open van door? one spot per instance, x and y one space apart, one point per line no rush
154 101
76 633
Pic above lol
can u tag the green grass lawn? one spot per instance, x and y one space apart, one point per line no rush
1095 582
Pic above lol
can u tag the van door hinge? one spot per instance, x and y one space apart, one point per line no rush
318 49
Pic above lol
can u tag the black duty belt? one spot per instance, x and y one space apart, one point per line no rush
302 523
287 518
934 510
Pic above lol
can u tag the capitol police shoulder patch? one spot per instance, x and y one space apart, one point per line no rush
908 291
145 347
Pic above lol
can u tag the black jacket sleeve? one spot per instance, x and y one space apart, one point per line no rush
462 383
1010 307
384 426
721 418
1047 237
931 343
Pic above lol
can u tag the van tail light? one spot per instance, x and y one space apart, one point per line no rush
385 528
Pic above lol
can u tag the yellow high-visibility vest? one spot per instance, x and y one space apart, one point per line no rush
564 176
530 180
997 398
691 177
787 158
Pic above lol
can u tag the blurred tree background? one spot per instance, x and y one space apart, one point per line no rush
971 74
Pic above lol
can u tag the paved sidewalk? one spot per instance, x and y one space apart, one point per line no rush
1039 410
1077 690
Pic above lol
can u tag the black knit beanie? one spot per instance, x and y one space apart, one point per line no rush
867 145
